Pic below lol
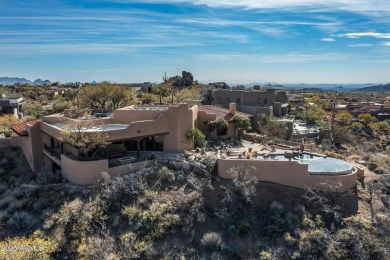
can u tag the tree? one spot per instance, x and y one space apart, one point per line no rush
33 110
90 144
60 104
219 125
197 137
344 116
271 128
367 119
104 95
185 95
241 123
162 91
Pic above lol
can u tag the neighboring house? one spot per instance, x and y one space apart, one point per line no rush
379 111
11 106
270 101
53 92
130 132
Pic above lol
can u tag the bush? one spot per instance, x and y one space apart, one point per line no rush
22 220
34 247
44 177
212 240
130 212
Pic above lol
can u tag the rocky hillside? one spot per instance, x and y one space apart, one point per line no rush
183 210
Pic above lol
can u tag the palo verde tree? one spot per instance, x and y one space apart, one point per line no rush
241 123
105 95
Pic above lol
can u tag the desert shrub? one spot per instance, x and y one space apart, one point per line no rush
245 184
276 225
3 188
130 212
7 201
265 255
22 220
71 217
98 247
212 241
45 177
33 247
131 247
166 174
290 240
313 243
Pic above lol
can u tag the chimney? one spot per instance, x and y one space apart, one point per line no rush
232 108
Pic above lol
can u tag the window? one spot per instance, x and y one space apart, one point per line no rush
228 100
219 99
212 98
259 101
265 101
208 98
238 100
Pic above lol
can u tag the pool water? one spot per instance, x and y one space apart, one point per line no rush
316 163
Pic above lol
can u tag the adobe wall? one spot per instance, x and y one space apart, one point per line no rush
287 173
31 146
141 128
24 142
181 121
127 115
203 119
88 172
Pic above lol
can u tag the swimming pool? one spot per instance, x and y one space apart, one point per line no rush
317 164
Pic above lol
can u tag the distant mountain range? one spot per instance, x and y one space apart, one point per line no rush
12 81
379 88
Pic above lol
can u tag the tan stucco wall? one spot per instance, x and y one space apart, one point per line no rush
203 119
286 173
24 142
31 146
88 172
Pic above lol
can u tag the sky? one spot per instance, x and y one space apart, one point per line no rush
240 41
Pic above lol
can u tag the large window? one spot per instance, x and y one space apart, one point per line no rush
238 100
265 101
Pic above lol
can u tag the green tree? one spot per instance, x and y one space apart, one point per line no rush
344 116
367 119
60 104
197 137
33 110
89 144
241 123
104 95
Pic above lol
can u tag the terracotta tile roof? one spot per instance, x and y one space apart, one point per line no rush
20 129
221 112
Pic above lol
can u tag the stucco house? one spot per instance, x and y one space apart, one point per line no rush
129 131
269 101
11 106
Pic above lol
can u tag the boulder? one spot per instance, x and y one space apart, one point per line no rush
181 177
170 177
175 165
186 166
200 169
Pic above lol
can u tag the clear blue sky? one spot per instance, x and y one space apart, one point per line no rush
291 41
